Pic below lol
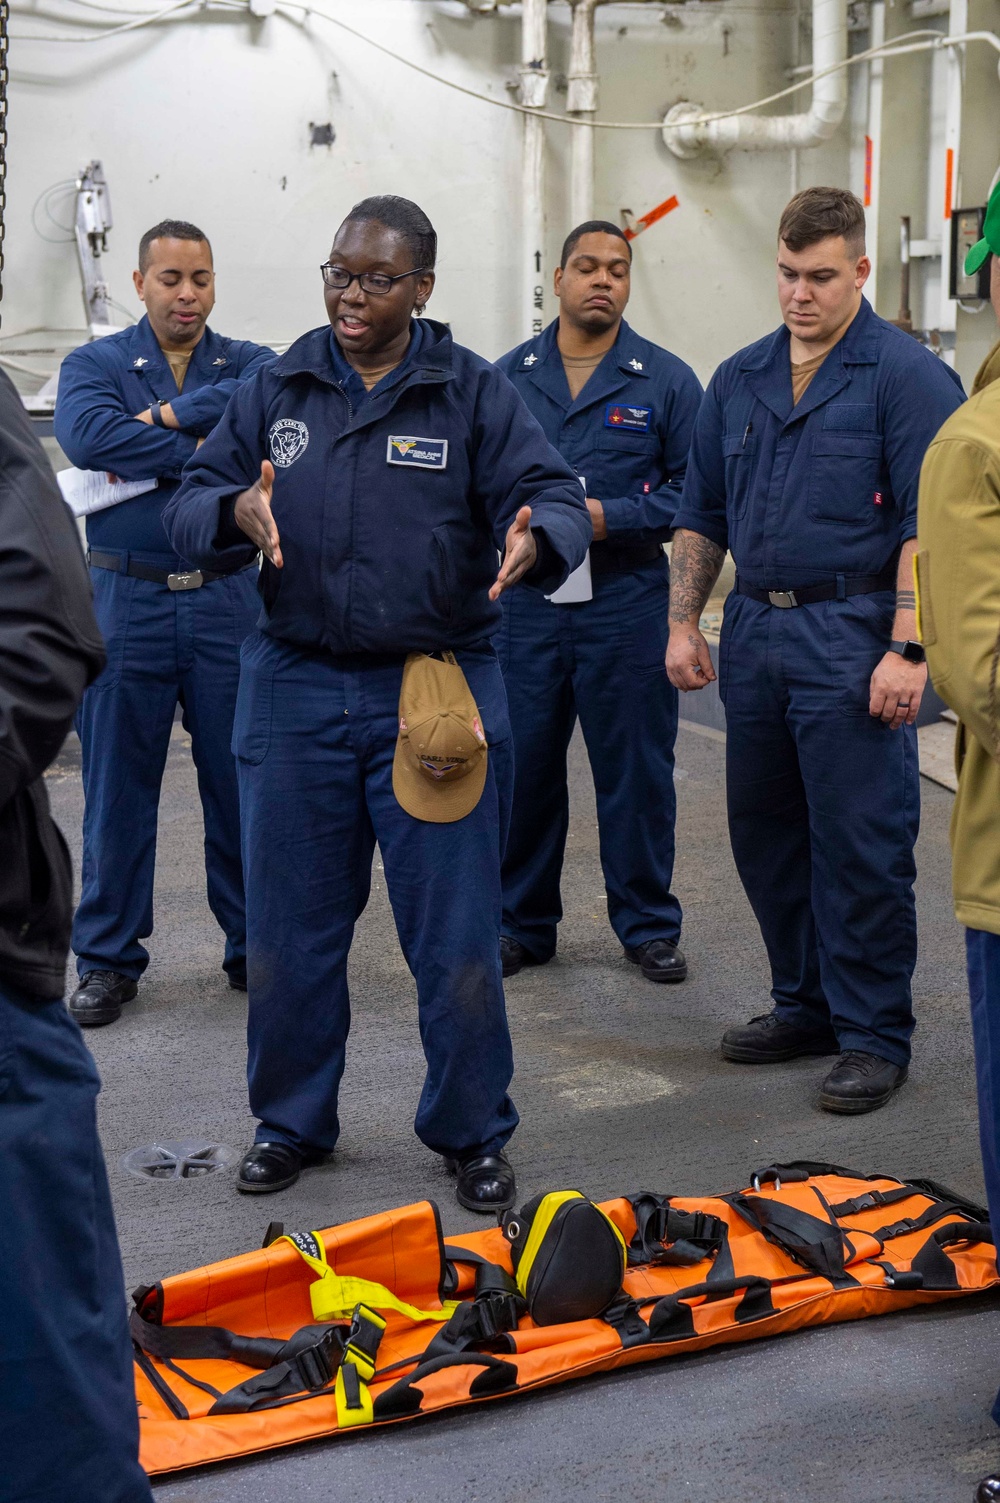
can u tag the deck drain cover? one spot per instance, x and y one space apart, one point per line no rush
188 1158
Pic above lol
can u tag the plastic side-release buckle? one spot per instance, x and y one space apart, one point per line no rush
354 1402
498 1313
363 1339
314 1365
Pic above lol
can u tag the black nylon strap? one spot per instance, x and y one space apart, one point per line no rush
149 572
897 1278
306 1354
624 1316
161 1386
306 1372
874 1198
672 1319
861 584
934 1264
496 1309
405 1398
665 1235
929 1217
816 1244
211 1342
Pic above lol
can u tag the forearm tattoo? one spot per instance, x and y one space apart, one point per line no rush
906 600
695 564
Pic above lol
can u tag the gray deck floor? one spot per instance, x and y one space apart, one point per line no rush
620 1087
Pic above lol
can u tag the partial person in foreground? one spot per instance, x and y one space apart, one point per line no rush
805 464
137 404
958 574
620 410
68 1424
380 467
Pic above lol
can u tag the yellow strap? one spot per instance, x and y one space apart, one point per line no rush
354 1402
334 1296
362 1413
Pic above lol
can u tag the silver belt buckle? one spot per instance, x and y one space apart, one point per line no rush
783 599
192 581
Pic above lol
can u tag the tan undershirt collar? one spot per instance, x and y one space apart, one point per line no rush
579 369
802 374
178 361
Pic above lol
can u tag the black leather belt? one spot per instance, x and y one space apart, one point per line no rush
605 559
857 584
190 579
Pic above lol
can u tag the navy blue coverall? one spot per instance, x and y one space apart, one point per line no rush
164 645
627 435
823 800
390 506
68 1422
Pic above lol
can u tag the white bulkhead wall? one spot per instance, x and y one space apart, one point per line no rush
208 118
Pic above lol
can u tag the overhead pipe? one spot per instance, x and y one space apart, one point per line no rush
688 133
581 105
534 81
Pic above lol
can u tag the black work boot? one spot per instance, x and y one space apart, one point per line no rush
100 997
988 1490
485 1182
860 1082
266 1167
660 960
767 1041
514 957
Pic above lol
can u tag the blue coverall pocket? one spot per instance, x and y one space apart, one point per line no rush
485 680
113 607
739 450
844 477
730 613
444 586
254 702
644 619
860 633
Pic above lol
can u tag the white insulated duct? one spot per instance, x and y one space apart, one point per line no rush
534 76
581 104
688 129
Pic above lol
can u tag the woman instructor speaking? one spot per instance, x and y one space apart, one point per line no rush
379 467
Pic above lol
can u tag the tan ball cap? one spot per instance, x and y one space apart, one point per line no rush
439 770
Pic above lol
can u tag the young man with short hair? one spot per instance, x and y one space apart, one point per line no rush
805 462
620 410
137 404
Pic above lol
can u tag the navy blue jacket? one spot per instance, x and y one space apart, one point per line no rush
391 514
829 487
104 384
628 432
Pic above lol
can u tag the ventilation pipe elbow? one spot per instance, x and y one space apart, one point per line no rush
688 133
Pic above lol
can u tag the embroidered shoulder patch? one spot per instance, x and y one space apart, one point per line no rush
423 453
633 419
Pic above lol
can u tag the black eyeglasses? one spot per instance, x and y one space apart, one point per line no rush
375 282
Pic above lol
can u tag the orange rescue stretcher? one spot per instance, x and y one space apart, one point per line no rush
381 1320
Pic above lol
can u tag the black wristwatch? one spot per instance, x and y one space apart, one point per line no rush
913 652
155 411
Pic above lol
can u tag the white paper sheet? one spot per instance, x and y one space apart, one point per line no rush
87 491
579 585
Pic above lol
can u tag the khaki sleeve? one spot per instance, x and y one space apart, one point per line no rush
958 580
